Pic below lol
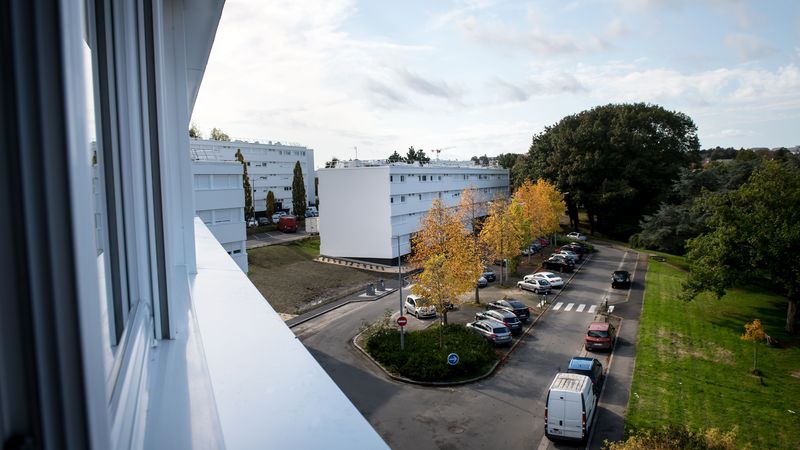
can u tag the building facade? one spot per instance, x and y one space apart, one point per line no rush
125 324
270 167
219 203
364 208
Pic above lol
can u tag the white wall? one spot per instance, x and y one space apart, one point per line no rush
354 212
219 202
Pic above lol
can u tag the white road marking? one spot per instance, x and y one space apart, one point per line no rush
581 307
592 309
569 307
611 309
544 443
558 306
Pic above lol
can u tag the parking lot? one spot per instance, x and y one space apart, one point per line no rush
506 409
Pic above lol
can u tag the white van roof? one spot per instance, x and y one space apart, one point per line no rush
569 382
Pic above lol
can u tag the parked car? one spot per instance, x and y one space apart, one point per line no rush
554 280
576 236
508 318
263 221
277 216
482 282
559 263
252 223
489 274
569 408
310 214
600 336
414 306
494 331
589 367
511 305
535 285
287 224
544 242
528 251
576 247
568 254
313 210
621 279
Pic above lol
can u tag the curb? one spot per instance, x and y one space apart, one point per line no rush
327 310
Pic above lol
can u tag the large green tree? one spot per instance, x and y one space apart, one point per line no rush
249 210
619 161
270 205
298 192
754 231
395 157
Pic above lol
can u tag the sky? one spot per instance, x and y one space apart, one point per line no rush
361 79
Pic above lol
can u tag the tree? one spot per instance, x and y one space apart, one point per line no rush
754 332
249 211
619 161
270 205
470 208
507 160
411 156
395 157
194 132
754 230
422 158
219 135
443 247
505 231
298 192
332 163
543 205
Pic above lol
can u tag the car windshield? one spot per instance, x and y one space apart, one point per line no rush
598 333
517 305
499 330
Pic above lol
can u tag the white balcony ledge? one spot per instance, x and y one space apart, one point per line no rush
238 378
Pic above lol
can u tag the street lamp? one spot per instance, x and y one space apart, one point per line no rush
400 279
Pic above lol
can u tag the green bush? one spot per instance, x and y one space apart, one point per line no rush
678 438
423 360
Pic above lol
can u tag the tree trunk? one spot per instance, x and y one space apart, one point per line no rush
444 316
791 315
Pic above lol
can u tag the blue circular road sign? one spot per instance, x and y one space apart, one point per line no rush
452 359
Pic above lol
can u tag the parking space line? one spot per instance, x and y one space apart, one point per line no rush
581 307
569 307
592 309
558 306
611 308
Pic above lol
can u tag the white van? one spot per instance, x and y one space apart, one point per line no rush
570 407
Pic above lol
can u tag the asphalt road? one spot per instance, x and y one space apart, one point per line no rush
504 410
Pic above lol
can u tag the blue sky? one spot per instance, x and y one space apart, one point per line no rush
482 76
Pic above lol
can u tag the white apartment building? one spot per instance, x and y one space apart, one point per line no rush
364 207
270 167
219 203
125 324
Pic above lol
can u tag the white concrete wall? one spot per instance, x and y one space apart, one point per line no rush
354 212
219 202
271 167
409 190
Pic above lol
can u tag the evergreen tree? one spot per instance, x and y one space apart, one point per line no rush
298 192
270 205
249 211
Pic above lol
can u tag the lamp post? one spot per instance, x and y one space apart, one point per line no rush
400 279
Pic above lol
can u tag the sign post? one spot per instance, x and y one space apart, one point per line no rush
400 279
402 321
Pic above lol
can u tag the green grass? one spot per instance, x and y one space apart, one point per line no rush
423 360
693 369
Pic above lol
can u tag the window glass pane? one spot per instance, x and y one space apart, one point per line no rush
202 181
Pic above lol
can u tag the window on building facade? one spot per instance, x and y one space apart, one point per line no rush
402 198
402 178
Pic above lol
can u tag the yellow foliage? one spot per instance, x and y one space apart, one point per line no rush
544 205
506 229
753 331
445 250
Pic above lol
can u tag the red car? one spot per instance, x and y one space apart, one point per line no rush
600 336
287 224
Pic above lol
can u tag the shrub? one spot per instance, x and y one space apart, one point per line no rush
677 438
423 360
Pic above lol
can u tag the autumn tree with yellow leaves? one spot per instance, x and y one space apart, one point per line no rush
753 331
451 266
505 231
543 204
471 208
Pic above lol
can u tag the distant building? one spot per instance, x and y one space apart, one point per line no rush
364 206
219 203
270 167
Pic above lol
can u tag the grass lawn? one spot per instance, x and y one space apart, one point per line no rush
292 282
693 369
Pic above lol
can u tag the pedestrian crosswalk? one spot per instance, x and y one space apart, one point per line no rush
592 309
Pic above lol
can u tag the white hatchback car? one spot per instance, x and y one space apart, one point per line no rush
577 236
536 285
555 280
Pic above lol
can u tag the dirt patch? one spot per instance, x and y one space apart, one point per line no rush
293 283
796 374
683 346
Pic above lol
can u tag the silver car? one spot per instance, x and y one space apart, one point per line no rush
508 318
495 332
536 285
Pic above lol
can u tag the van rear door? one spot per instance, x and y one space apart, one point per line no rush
558 407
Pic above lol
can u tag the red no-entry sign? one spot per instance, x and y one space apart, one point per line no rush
402 321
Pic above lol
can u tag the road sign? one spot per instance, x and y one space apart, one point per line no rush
452 359
402 321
